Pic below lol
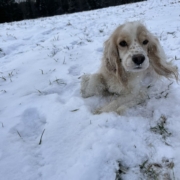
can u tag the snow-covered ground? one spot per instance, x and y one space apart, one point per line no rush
48 131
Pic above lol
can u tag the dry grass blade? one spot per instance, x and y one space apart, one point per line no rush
74 110
40 142
2 124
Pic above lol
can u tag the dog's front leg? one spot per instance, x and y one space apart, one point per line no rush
92 85
121 104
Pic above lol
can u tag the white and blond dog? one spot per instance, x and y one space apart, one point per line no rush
131 56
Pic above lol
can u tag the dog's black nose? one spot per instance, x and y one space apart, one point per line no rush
138 59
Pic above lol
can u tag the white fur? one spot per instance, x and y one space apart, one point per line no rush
119 74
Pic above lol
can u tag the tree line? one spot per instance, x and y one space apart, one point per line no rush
10 10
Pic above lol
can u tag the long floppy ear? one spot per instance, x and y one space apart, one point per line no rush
158 60
113 62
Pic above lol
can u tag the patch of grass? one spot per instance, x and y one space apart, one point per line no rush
59 81
160 128
157 171
54 52
2 77
10 75
162 94
149 171
122 170
10 35
56 38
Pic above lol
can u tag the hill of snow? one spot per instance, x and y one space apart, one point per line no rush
48 131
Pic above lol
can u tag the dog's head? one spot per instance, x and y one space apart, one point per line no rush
132 48
132 42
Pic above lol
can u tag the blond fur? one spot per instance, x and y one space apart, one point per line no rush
119 75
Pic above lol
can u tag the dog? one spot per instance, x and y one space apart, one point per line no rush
132 60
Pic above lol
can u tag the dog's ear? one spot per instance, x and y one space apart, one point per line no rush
158 59
113 61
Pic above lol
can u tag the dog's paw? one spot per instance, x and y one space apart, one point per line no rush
84 84
103 110
121 110
97 111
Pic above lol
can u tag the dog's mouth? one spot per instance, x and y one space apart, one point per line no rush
138 67
132 67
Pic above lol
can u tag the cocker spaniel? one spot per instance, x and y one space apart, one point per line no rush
133 58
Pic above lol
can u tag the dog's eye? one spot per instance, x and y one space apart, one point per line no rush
145 42
123 43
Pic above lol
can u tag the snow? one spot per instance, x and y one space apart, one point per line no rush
41 62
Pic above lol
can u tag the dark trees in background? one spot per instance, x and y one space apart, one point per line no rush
9 11
29 9
72 6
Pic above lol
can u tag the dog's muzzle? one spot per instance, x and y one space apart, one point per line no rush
138 59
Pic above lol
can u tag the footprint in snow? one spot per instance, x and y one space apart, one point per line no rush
1 53
47 32
99 49
74 70
31 124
